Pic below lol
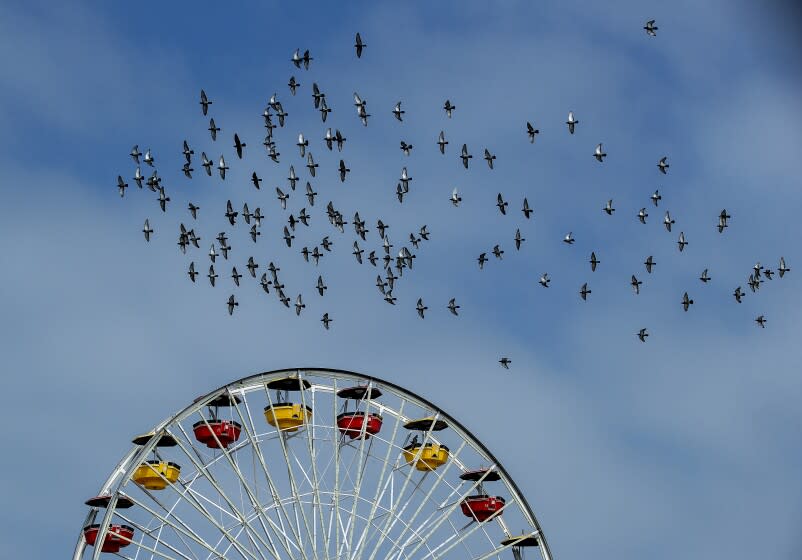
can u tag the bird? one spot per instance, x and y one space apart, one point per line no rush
531 131
681 241
599 154
282 198
372 258
498 252
212 275
222 167
398 112
265 283
526 209
287 237
642 215
406 148
502 206
255 180
489 158
482 260
339 139
149 159
246 213
252 266
292 178
307 59
424 233
571 122
213 129
667 221
192 273
662 165
187 170
642 334
569 238
121 185
293 84
651 28
442 142
299 305
187 151
656 197
761 320
326 321
686 302
135 153
357 252
235 275
254 233
704 277
344 171
455 197
382 227
505 363
204 102
230 213
738 294
452 306
238 145
544 280
359 46
232 303
584 291
310 194
212 253
320 286
147 230
608 208
207 164
650 263
163 199
594 262
518 239
635 283
405 178
782 269
420 308
465 156
138 177
449 108
310 164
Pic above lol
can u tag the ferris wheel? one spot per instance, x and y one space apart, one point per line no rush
310 464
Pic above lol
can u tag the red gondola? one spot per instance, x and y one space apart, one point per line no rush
226 431
482 506
351 424
117 537
354 424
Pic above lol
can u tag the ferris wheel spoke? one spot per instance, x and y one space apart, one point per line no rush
317 502
250 431
244 484
390 520
457 538
179 525
158 540
426 499
293 485
428 522
241 518
381 487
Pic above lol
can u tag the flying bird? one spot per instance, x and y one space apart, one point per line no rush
482 260
204 102
465 156
531 131
594 262
599 154
505 363
192 273
452 306
667 221
442 142
544 280
293 84
135 153
213 129
642 334
526 209
449 108
121 185
299 305
222 167
761 320
651 28
569 238
681 241
782 269
238 145
642 215
326 321
502 206
359 46
686 301
584 291
650 263
489 158
518 239
398 112
704 277
232 303
662 165
212 275
571 122
656 197
635 283
147 230
420 308
455 197
608 208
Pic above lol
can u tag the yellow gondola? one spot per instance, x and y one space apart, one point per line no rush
156 475
287 416
432 455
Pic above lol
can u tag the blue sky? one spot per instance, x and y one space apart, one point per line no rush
623 449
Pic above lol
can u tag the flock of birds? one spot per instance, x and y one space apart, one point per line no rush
393 266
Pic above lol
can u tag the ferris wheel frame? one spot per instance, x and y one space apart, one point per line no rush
122 473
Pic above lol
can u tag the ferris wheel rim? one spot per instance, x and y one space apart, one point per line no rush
111 487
